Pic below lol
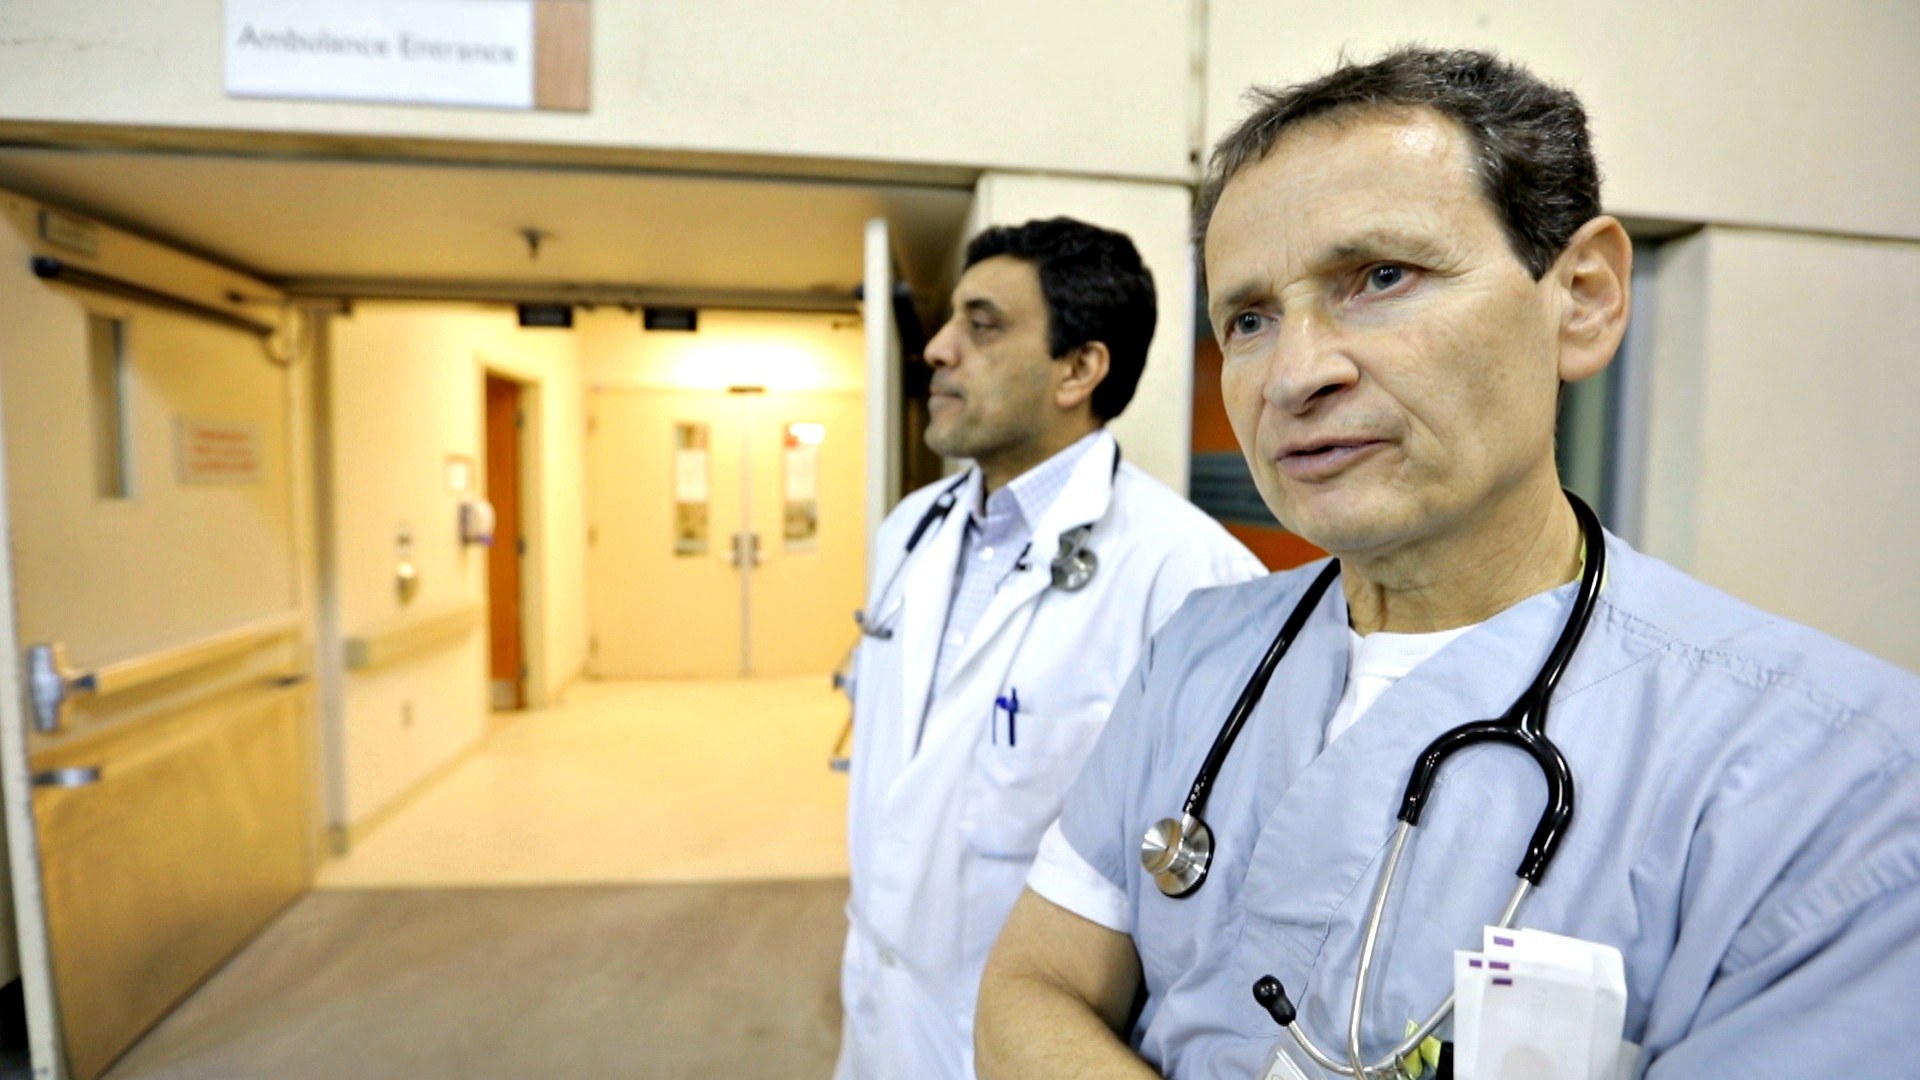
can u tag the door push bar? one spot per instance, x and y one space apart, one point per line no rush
53 684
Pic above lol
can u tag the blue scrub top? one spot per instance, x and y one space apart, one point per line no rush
1746 828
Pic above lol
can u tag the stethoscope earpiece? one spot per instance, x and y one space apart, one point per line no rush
1176 853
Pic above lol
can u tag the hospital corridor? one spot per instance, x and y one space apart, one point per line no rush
647 872
435 669
453 453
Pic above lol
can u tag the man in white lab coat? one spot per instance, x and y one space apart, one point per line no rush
1006 607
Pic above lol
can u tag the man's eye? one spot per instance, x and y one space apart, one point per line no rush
1385 276
981 327
1247 322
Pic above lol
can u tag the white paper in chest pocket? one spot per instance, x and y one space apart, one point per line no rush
1538 1006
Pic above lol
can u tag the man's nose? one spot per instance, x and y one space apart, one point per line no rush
940 351
1309 362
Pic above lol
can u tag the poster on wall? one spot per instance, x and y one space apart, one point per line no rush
691 489
801 483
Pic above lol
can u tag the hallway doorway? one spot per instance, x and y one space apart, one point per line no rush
727 530
362 598
506 642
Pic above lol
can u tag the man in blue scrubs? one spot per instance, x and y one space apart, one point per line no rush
1405 261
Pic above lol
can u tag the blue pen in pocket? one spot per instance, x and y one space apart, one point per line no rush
1010 701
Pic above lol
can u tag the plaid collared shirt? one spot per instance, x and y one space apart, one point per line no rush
993 542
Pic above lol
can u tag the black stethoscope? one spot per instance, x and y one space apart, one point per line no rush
882 626
1177 852
1073 566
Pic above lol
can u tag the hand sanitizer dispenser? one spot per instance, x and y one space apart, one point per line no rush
476 522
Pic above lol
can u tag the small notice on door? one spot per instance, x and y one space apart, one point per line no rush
691 488
801 468
219 451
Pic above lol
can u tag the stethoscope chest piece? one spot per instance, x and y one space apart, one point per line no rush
1176 853
1075 566
1075 572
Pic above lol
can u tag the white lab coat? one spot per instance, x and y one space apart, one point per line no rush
940 837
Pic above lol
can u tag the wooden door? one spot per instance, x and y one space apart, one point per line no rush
150 498
508 662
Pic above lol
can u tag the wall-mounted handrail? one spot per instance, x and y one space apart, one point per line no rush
398 640
54 683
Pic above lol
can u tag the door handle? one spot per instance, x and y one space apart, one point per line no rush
76 776
53 684
746 549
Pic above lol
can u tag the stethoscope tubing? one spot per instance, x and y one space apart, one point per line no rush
1079 567
1523 725
881 626
1255 687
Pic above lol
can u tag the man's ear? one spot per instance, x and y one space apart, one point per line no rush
1082 369
1595 276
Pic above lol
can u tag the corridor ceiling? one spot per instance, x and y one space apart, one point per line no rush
296 221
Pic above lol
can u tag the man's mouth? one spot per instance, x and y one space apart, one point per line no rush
1316 460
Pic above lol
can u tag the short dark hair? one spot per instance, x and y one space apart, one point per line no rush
1096 289
1532 150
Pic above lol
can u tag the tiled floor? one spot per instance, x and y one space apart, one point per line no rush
629 782
413 961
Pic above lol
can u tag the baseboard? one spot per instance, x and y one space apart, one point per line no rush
357 831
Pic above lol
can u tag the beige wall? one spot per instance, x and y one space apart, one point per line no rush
777 350
405 392
933 83
1155 430
1799 494
1773 113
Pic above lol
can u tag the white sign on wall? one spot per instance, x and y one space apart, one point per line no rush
218 451
428 52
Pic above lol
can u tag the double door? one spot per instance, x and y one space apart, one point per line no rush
727 531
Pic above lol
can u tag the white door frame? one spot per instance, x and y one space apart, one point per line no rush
23 839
